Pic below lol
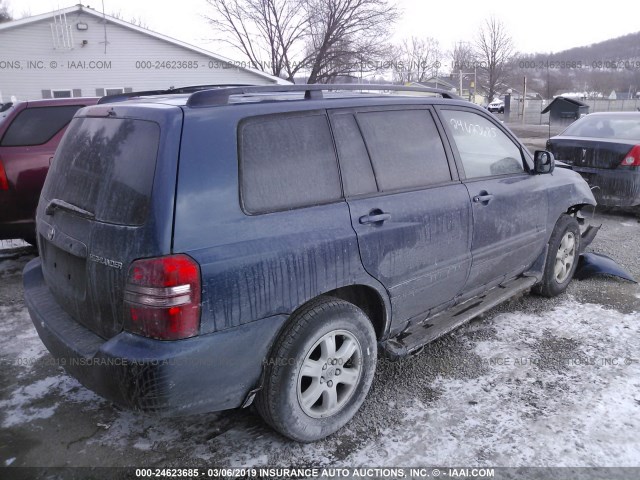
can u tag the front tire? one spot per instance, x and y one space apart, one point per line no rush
562 257
320 370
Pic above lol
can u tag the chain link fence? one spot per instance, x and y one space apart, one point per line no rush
532 109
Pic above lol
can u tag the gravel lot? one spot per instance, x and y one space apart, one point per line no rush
534 382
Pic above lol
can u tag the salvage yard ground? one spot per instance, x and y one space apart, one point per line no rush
534 382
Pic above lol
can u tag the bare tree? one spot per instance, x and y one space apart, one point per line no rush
416 59
347 36
327 38
5 13
463 57
494 48
269 33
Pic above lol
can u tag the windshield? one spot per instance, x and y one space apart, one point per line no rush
625 127
5 110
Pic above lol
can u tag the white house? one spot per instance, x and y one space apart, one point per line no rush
78 51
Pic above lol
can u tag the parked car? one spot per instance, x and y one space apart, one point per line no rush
497 106
605 149
29 134
201 251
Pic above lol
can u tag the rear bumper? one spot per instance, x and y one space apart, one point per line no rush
201 374
613 188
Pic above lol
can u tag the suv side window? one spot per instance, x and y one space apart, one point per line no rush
286 162
35 126
355 166
483 148
405 148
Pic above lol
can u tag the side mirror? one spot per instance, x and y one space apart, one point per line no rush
543 161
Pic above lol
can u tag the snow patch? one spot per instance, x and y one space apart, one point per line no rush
12 243
18 408
559 391
141 431
23 404
20 344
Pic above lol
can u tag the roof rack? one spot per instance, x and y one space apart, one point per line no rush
220 96
120 97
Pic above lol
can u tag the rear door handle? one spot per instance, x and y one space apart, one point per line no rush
484 198
374 218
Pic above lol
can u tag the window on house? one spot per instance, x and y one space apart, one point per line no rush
61 93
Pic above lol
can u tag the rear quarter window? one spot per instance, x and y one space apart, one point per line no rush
287 162
36 126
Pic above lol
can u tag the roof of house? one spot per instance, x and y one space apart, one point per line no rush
117 21
531 95
623 95
572 101
452 82
438 82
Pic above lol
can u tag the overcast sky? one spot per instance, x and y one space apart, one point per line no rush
538 26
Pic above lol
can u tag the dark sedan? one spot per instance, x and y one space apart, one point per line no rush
605 149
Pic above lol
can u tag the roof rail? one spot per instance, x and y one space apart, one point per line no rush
220 96
121 97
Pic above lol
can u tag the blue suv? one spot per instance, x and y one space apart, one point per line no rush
201 251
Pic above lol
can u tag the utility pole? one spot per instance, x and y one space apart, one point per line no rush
524 98
475 82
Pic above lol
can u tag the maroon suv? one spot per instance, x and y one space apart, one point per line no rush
29 134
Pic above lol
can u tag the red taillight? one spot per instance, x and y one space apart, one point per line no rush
162 297
632 159
4 183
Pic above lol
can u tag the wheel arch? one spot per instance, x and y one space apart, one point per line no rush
370 301
368 298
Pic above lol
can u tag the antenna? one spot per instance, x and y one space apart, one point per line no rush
104 25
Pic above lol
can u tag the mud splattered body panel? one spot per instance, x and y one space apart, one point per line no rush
416 246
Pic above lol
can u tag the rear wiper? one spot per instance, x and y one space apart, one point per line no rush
56 204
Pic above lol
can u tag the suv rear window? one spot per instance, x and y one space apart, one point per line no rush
287 161
106 166
35 126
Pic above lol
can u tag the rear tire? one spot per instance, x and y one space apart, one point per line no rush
562 257
319 371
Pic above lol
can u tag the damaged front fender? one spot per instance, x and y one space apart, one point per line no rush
588 235
591 264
